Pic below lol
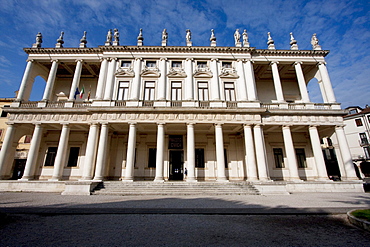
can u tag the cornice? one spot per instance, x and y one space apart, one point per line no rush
307 53
62 50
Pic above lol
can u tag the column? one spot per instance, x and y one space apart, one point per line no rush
241 81
51 80
161 93
25 79
61 153
215 84
249 153
260 153
322 90
290 153
135 89
76 80
102 152
277 82
191 153
131 146
5 151
317 153
221 176
189 88
29 170
326 83
159 163
110 80
346 155
91 148
301 82
102 79
250 81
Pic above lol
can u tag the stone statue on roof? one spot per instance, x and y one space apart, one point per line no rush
116 35
237 36
109 36
315 42
188 35
38 41
164 35
245 38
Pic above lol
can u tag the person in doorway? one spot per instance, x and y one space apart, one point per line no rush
185 173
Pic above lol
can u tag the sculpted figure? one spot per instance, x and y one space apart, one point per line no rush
109 36
314 41
237 36
39 39
213 37
188 35
116 35
245 36
164 35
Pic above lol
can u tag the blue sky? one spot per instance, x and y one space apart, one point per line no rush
343 27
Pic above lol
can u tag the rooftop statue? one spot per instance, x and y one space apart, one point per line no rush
109 38
60 41
164 35
188 35
83 40
140 37
245 38
315 42
270 42
116 35
213 37
237 36
38 41
293 42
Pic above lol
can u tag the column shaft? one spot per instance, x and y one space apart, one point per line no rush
215 85
110 80
327 83
61 153
190 153
250 155
346 154
5 151
51 80
25 80
221 175
250 81
241 82
102 79
131 146
189 87
301 82
91 148
29 170
317 153
290 153
159 164
260 153
161 95
76 80
102 152
277 82
135 90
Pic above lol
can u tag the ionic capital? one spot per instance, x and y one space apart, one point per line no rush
30 60
274 62
79 60
163 59
189 59
54 60
214 59
297 62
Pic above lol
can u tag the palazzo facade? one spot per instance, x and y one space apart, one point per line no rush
162 113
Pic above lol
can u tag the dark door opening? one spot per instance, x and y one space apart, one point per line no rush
19 166
331 162
176 165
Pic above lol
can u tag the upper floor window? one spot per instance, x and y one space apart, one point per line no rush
149 90
203 91
125 64
358 122
226 65
229 91
123 90
353 111
176 64
202 64
3 113
363 139
151 64
176 91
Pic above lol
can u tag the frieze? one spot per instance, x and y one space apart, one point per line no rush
306 120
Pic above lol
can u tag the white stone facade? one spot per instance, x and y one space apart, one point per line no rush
152 112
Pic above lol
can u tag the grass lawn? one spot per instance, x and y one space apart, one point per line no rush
362 214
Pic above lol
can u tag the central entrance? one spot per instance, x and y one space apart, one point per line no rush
176 165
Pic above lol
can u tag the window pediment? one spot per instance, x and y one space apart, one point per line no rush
150 71
229 73
176 73
203 73
125 72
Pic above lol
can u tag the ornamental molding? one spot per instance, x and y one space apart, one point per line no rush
176 73
229 73
125 72
203 73
150 72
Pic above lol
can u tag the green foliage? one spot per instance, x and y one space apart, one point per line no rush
362 214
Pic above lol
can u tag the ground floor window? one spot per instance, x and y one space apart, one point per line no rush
50 156
279 158
199 157
152 157
301 157
73 156
225 157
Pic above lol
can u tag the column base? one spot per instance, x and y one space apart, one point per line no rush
128 180
252 179
98 179
86 179
54 179
222 180
26 179
159 180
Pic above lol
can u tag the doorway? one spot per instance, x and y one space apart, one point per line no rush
176 165
19 166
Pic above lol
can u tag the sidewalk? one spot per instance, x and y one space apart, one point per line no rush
301 203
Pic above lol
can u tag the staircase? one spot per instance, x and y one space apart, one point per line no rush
174 188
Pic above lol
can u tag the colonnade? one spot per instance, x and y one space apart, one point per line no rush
246 85
97 149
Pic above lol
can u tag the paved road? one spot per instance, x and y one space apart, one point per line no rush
306 219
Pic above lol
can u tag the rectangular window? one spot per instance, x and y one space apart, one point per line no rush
279 158
301 157
202 64
151 64
225 157
176 91
363 139
367 152
123 90
229 91
199 157
358 122
152 157
203 91
73 156
176 64
125 64
149 90
226 65
50 156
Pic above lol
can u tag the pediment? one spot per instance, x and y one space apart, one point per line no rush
229 74
176 74
125 73
150 73
203 74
